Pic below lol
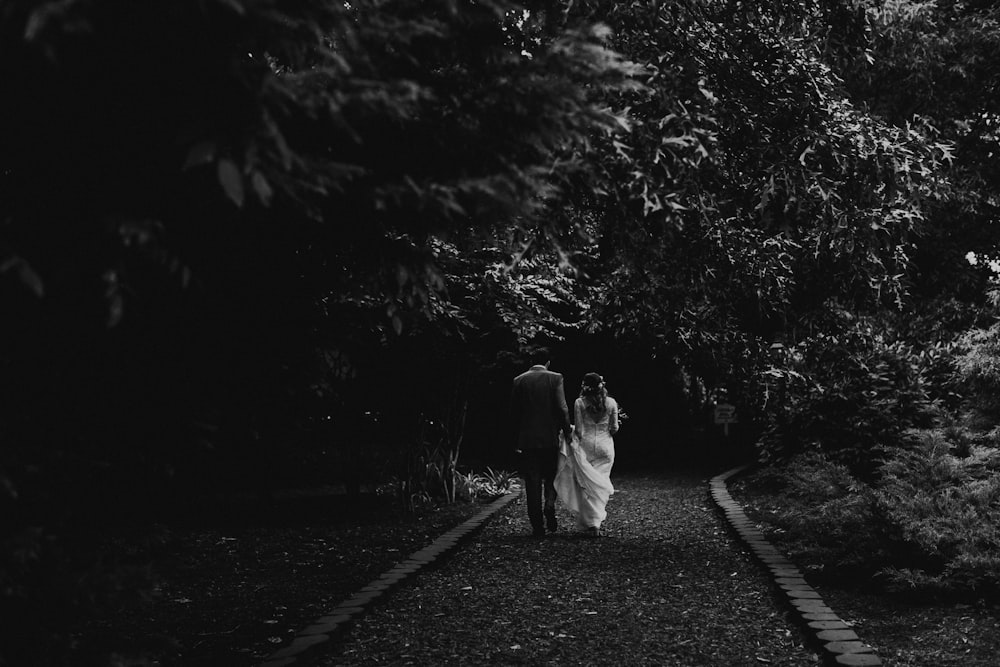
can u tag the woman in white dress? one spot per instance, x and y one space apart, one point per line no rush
583 481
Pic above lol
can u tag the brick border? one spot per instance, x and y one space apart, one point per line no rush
840 645
340 618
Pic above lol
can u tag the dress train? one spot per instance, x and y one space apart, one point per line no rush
582 486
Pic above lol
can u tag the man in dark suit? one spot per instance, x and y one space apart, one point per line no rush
539 412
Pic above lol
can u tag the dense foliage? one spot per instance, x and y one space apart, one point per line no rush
246 244
905 399
211 210
767 189
924 527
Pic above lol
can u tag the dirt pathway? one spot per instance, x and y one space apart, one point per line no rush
668 586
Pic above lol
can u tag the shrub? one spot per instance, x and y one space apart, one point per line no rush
827 517
486 485
928 525
946 509
853 396
978 365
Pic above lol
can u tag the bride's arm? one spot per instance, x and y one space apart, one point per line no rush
578 417
613 421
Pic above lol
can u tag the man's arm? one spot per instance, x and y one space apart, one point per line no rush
515 415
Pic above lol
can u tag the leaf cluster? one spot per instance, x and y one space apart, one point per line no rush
750 187
944 500
853 394
925 526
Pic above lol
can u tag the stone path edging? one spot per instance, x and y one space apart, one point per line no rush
340 617
841 645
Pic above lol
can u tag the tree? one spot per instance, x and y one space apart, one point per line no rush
936 62
198 196
750 189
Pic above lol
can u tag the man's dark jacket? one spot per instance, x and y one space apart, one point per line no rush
538 408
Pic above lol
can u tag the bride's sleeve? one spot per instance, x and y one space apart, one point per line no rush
578 415
613 422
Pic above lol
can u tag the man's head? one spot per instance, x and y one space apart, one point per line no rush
540 356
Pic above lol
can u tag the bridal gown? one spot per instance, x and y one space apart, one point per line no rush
583 481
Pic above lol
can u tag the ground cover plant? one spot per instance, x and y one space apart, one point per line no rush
902 565
925 526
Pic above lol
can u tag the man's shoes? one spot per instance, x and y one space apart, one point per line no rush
538 533
550 521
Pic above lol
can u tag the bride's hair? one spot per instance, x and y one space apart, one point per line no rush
594 395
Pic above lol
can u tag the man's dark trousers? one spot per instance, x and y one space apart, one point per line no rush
538 467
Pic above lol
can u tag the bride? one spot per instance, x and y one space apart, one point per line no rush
583 481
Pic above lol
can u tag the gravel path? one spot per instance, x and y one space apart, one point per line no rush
668 585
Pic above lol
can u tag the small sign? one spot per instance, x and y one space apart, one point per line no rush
725 414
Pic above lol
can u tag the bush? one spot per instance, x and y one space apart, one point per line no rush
486 485
825 515
852 396
946 508
928 525
891 456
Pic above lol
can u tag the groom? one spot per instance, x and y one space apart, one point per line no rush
538 408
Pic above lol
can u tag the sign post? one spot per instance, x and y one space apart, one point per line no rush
725 414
